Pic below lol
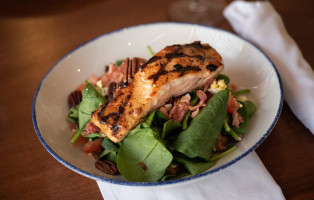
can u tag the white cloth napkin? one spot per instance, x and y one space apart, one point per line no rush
259 23
246 179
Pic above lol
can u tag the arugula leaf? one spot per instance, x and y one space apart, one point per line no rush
91 100
142 156
201 136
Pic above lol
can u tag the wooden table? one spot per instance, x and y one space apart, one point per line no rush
35 34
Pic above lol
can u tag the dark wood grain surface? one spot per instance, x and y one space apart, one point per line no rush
35 34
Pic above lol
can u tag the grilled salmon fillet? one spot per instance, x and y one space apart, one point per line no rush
173 71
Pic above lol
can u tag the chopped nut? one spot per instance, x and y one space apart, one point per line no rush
143 165
74 98
173 169
107 167
130 67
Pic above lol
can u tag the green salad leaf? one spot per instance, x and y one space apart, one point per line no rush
110 150
241 92
109 145
156 118
201 136
162 124
73 114
223 77
119 62
194 166
170 126
250 108
142 155
91 100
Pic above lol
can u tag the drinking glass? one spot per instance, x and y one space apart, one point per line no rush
207 12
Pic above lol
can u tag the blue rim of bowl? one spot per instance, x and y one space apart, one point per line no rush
158 183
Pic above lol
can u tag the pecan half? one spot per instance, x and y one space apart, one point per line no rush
107 167
74 98
130 67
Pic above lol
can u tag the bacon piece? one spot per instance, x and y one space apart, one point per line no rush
180 109
236 119
90 128
114 74
195 113
203 97
164 111
233 105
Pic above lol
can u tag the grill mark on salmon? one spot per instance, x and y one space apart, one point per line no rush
175 70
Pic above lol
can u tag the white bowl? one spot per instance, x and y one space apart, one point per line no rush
245 64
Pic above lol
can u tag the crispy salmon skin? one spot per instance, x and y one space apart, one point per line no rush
175 70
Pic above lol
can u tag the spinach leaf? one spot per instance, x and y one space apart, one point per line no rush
91 100
201 136
112 156
250 108
194 166
110 150
119 62
109 155
156 118
142 156
181 174
169 126
223 77
241 92
109 145
73 114
161 124
93 136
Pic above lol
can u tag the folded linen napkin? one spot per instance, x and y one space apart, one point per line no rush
259 23
248 178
